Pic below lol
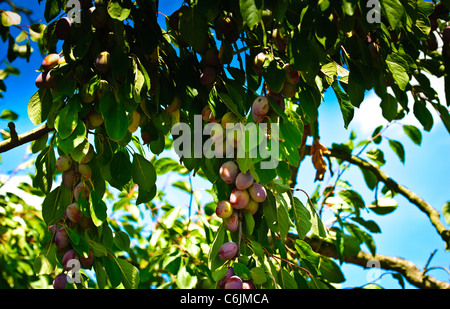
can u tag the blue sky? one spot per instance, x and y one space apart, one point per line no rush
405 233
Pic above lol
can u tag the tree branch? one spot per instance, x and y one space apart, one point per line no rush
407 268
18 140
432 213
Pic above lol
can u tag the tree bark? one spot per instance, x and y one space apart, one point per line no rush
18 140
407 268
432 213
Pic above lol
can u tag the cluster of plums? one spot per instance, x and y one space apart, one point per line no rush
97 61
74 175
246 196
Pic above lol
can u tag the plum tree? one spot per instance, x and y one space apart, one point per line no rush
115 83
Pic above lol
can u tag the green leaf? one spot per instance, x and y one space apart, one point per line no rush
129 274
413 133
241 271
362 236
399 69
50 206
77 137
397 147
283 220
118 12
73 235
400 279
308 256
79 152
10 18
113 271
377 156
383 206
67 119
51 10
122 240
45 167
286 280
193 28
274 75
370 225
370 178
165 165
393 10
170 217
144 174
444 115
39 106
115 116
98 249
8 115
226 99
257 248
184 279
302 218
258 275
346 106
317 227
249 222
352 198
217 242
98 209
121 168
45 262
100 274
331 271
82 248
422 114
251 13
389 107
